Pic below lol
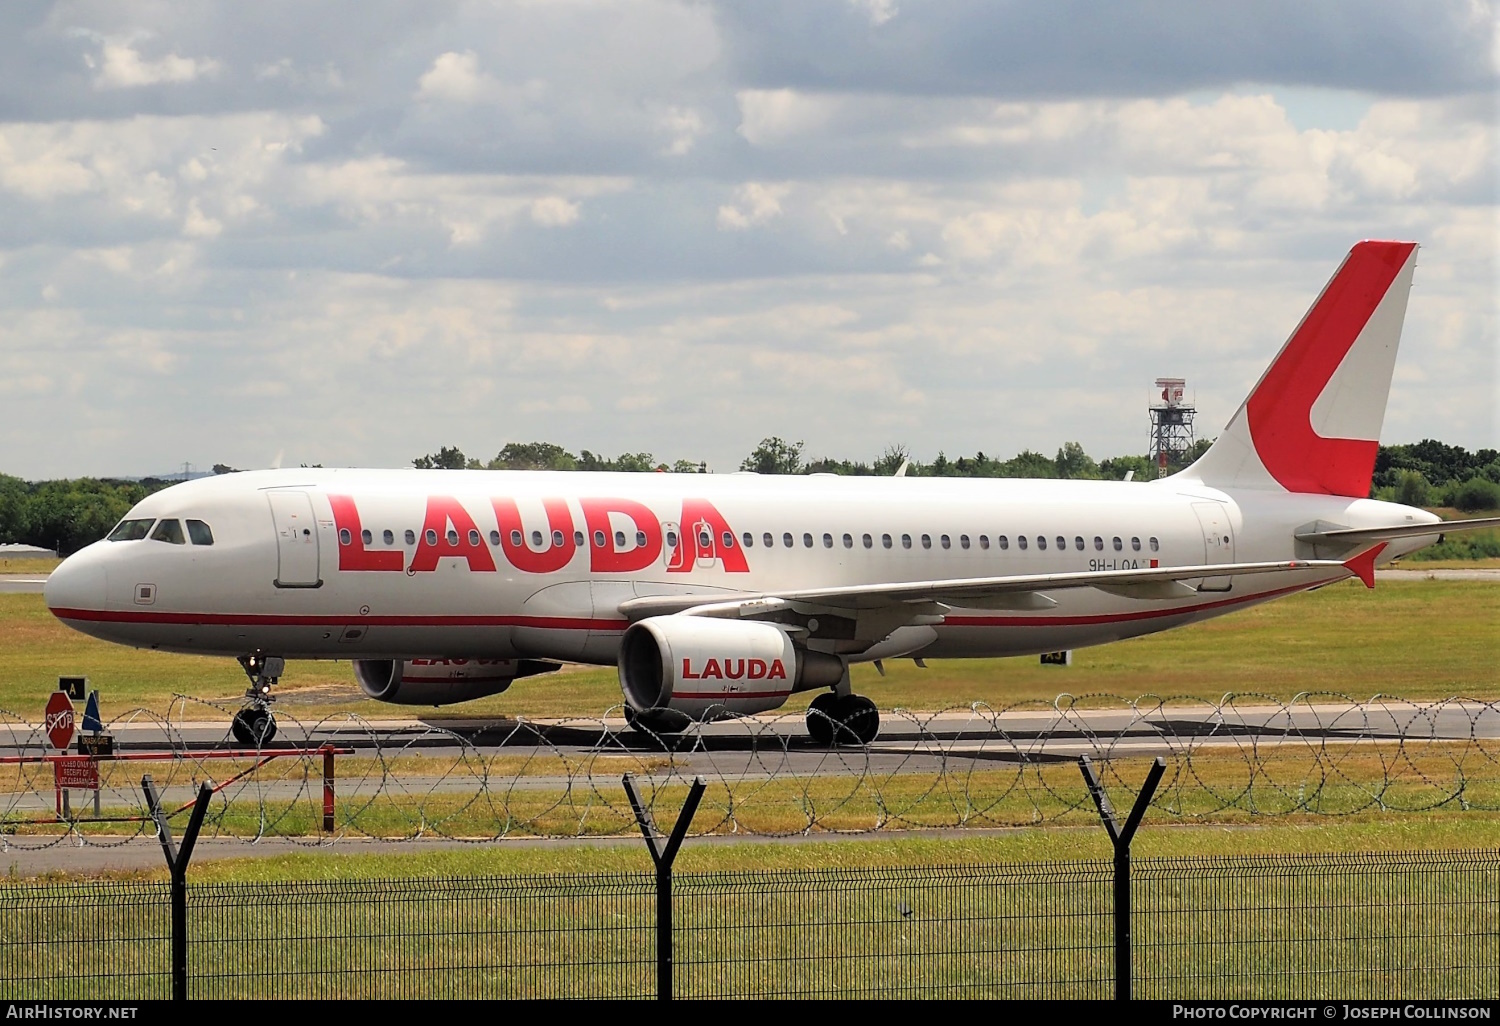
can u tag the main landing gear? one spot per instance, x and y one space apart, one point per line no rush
842 719
254 725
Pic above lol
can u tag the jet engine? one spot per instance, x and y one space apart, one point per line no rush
679 668
421 681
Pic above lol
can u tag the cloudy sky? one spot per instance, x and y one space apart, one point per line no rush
350 233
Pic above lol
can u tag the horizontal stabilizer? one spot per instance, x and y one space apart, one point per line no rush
1354 535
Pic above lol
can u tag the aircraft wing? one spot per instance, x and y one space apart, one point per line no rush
1017 591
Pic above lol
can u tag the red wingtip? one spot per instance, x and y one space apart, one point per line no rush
1363 565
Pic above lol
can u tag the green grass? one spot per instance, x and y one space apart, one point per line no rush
1415 639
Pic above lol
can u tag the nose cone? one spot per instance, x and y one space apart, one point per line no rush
77 585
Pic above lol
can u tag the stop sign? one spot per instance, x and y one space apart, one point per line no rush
59 720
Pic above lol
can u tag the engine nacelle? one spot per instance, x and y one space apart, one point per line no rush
423 681
705 668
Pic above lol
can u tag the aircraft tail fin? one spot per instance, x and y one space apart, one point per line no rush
1312 422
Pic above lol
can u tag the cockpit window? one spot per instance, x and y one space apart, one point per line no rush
169 531
200 533
131 530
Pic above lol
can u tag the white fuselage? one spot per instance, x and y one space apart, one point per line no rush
387 564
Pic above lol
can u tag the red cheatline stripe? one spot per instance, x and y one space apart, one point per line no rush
557 623
564 623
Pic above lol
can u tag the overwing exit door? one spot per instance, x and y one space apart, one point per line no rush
296 540
1218 542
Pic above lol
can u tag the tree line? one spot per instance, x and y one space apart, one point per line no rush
68 514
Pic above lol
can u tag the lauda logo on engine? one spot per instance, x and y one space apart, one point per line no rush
450 531
734 669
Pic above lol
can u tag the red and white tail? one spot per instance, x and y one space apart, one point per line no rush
1312 422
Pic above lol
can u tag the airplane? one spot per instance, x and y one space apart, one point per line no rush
722 595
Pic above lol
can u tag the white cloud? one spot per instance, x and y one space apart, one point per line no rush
684 126
454 77
121 66
553 211
878 11
754 203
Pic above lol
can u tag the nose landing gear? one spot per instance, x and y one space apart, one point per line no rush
842 719
254 725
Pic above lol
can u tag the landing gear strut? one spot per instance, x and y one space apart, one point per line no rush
834 719
254 725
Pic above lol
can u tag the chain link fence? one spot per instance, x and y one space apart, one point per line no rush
1386 925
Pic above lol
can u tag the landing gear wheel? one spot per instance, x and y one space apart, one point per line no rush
253 726
851 720
860 721
656 721
822 718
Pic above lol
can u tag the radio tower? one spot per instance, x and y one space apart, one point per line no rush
1171 423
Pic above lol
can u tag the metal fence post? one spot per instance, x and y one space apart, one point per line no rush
177 863
1120 837
663 855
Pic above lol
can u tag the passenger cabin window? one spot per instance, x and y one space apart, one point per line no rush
947 542
619 539
727 538
1020 542
848 542
926 541
1118 545
1098 543
906 541
768 540
345 538
131 530
598 539
1062 544
984 541
390 539
885 540
494 537
473 538
411 537
671 539
431 536
536 539
365 537
1002 541
869 542
169 531
828 541
515 539
786 539
806 541
963 541
1078 543
452 537
1135 544
1154 545
1041 541
749 540
199 532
